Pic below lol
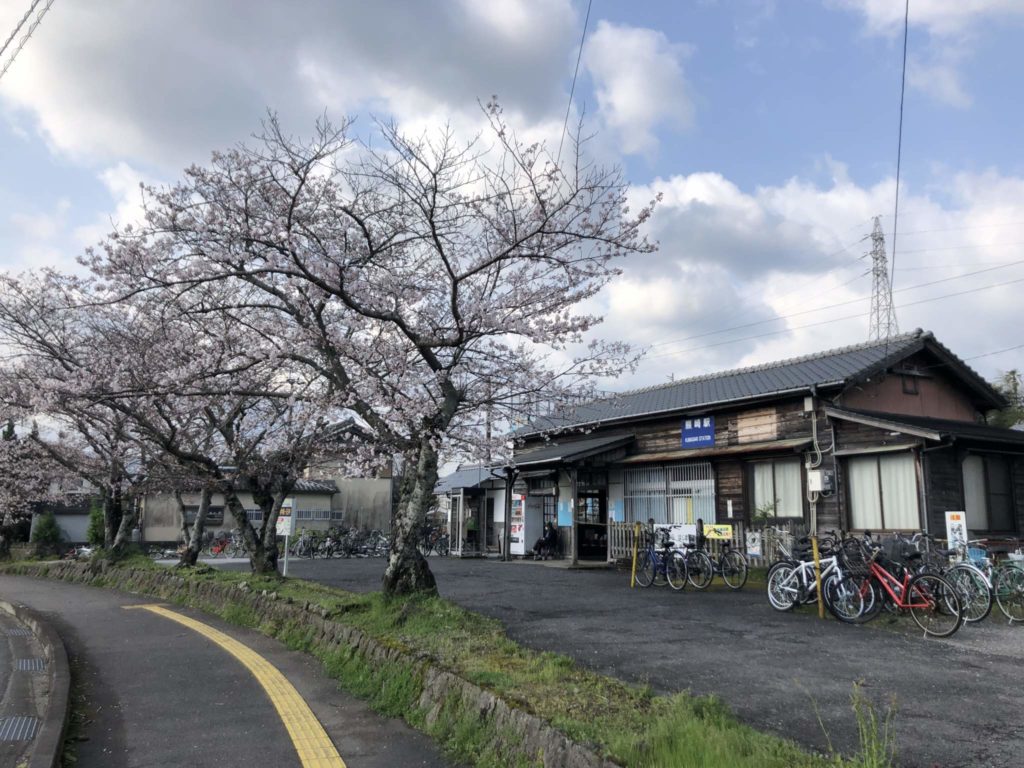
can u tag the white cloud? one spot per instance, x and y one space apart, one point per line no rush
640 85
162 84
736 267
951 26
940 17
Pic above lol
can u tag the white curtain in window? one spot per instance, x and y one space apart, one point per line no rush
974 494
899 491
865 502
787 488
764 487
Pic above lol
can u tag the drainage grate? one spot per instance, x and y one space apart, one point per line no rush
18 632
31 665
18 728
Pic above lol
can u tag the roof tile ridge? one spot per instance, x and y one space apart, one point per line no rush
903 337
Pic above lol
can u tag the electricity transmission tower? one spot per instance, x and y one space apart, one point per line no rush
883 313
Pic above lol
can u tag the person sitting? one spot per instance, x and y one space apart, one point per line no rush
547 545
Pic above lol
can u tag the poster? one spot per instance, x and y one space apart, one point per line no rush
754 544
718 531
956 529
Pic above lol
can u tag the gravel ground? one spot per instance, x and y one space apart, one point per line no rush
958 701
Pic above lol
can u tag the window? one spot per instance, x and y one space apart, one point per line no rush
778 488
589 508
214 515
988 493
883 492
909 385
255 515
550 510
676 494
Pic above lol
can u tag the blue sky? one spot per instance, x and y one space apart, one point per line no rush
770 128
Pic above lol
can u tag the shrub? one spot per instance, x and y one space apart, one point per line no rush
46 535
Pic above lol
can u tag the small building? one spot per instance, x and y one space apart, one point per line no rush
310 499
880 436
477 493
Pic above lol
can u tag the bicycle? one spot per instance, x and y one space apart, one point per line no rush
792 583
731 565
932 601
660 566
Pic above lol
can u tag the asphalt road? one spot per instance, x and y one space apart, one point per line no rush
958 701
158 694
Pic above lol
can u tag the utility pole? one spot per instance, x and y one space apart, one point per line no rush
883 313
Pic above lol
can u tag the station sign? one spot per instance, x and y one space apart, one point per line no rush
698 432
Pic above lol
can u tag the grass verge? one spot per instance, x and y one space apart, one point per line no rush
623 722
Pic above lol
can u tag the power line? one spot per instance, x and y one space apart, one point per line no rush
21 23
899 147
572 90
996 352
21 43
838 304
835 319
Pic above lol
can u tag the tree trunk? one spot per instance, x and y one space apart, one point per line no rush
408 571
195 538
261 560
123 536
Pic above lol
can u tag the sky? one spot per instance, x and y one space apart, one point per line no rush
770 129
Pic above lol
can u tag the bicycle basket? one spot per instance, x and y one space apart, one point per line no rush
977 556
853 559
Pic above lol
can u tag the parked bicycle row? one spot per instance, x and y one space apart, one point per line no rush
939 588
660 561
340 542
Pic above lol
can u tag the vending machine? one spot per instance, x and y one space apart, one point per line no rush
527 523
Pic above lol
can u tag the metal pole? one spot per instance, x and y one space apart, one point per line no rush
817 577
636 544
285 572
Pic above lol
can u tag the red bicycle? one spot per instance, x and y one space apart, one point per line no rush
931 600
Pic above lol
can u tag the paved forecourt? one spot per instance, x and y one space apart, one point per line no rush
958 700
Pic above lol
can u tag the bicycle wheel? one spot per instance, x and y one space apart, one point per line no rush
972 588
1008 585
844 599
645 566
783 586
675 571
734 569
699 570
934 605
660 569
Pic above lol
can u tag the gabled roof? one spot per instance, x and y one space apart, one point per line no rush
834 368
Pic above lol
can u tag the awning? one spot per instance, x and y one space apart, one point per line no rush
770 446
570 450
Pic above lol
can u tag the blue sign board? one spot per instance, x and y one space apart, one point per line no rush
564 513
698 432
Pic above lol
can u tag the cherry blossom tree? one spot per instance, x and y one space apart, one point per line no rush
429 280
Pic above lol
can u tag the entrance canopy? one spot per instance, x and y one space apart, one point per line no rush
569 451
771 446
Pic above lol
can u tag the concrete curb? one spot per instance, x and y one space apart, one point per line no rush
49 740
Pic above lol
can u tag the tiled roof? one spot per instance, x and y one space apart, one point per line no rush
834 367
305 485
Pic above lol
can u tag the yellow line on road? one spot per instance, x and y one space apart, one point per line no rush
311 741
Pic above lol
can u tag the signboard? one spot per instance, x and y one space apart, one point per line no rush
754 543
679 534
698 432
956 529
285 519
715 531
564 513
